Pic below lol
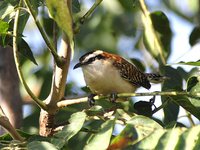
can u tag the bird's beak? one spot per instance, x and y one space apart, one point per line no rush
77 65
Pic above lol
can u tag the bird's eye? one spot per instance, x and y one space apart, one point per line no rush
100 57
91 60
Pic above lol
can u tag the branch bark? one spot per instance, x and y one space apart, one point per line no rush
57 90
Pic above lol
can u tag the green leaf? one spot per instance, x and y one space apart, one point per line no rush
22 20
195 36
192 63
188 139
75 124
161 30
193 84
60 12
25 50
40 145
172 109
148 143
76 6
138 64
193 87
162 26
136 129
101 140
176 138
6 11
3 27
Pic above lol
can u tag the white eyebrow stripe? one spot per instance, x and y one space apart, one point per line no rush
92 55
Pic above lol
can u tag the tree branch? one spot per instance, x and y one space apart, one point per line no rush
4 122
58 60
18 67
72 101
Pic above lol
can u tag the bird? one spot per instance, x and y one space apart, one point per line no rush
106 73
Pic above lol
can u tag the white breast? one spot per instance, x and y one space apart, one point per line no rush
103 78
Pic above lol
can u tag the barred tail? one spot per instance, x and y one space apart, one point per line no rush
155 78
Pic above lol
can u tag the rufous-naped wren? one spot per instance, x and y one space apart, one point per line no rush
107 73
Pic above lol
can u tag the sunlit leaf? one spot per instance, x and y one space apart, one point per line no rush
59 11
136 129
6 11
75 124
192 63
162 27
3 27
159 29
176 138
101 140
193 87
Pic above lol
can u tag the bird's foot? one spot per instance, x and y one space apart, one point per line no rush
91 100
113 97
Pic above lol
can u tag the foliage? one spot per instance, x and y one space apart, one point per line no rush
104 28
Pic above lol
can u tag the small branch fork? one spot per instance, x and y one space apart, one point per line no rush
71 101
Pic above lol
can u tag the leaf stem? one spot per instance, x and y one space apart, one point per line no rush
86 16
90 11
189 116
58 60
18 67
160 107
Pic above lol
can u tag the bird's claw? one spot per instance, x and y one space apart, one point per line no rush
113 97
91 100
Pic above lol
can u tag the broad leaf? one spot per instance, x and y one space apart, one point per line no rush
6 11
172 109
193 87
40 145
138 64
177 138
3 27
195 36
159 28
101 140
59 11
75 124
162 26
136 129
25 51
76 6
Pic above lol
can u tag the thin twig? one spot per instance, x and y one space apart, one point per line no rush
90 11
189 116
17 63
81 20
50 46
72 101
